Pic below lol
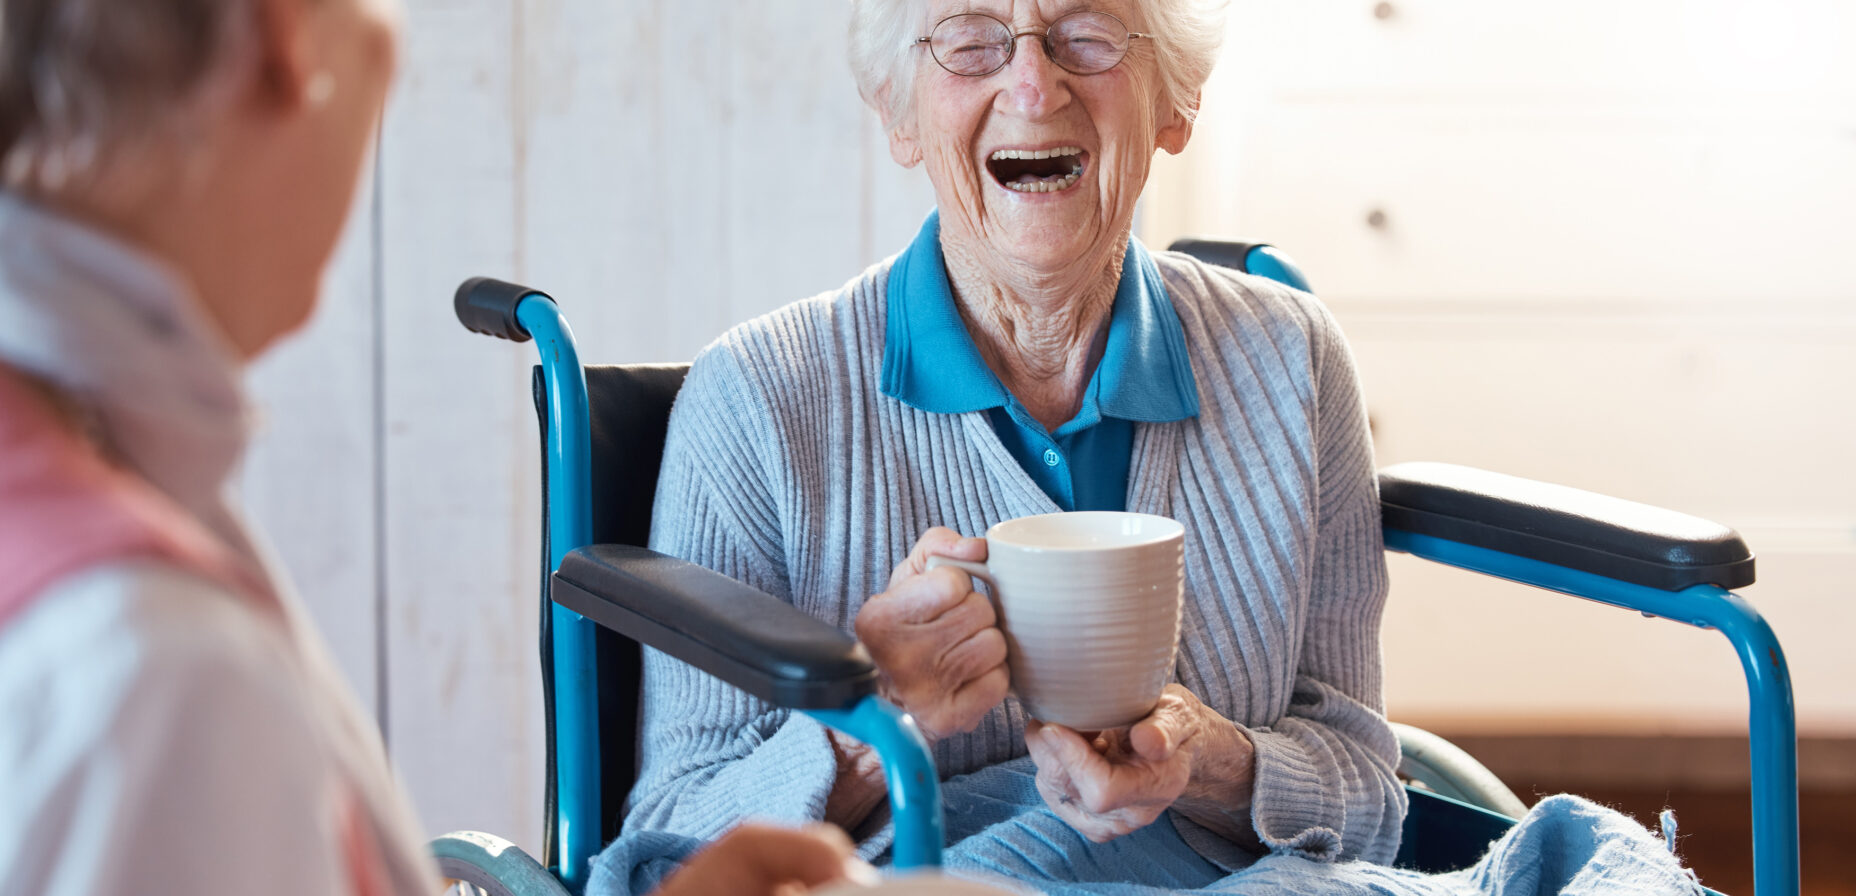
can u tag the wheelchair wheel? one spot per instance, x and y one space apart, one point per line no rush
1443 768
489 865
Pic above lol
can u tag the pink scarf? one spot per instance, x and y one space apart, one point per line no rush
63 508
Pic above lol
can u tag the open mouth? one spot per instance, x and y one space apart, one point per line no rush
1036 170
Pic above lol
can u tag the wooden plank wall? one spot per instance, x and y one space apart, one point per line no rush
661 169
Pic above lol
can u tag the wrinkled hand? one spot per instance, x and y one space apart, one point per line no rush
936 641
1122 780
763 860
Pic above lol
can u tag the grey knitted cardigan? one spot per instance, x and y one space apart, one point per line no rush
787 468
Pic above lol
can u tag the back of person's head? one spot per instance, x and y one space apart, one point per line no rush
86 85
185 126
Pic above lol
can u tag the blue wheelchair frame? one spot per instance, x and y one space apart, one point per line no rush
1772 725
914 788
913 784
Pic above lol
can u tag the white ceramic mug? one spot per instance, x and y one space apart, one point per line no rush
1089 603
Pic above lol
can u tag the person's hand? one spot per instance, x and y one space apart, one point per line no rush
936 641
1120 781
764 860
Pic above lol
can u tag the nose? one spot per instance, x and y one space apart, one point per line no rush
1037 88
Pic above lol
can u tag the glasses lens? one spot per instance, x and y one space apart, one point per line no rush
1088 42
971 44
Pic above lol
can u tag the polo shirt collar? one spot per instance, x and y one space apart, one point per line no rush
930 362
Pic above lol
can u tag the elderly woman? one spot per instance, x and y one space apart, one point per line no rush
1026 355
176 173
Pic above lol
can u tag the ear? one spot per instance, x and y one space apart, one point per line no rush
1177 129
285 61
903 146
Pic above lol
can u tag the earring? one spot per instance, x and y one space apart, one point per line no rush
320 89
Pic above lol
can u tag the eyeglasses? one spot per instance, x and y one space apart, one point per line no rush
976 45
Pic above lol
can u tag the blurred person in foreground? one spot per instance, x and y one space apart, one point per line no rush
176 174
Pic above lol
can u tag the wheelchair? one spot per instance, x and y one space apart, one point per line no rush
604 594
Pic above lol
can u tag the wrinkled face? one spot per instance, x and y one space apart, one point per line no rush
1036 167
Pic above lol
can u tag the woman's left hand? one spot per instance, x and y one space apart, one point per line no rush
1122 780
756 859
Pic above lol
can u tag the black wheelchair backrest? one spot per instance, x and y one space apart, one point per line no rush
629 410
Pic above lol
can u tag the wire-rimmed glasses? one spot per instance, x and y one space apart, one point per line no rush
976 45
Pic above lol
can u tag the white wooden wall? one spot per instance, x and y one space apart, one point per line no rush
663 169
1603 242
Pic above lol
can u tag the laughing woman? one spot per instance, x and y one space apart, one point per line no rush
1024 355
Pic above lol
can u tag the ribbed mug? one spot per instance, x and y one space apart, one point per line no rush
1089 603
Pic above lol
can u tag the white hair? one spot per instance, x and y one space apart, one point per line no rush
1187 37
84 83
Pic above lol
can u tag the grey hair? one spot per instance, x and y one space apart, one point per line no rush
1188 35
83 82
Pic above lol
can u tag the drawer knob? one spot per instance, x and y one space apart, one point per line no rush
1376 219
1384 11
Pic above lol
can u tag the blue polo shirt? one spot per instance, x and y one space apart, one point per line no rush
930 362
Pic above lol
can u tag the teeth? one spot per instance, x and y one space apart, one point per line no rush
1045 186
1038 153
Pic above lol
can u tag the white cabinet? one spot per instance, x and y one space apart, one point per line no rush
1611 244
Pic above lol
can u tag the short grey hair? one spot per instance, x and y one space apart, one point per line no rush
84 81
1187 37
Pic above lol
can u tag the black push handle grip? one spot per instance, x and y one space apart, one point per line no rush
488 306
1224 253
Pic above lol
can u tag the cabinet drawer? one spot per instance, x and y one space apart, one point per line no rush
1489 204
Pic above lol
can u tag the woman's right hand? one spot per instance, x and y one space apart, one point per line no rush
936 641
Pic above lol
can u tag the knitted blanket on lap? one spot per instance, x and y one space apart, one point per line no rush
1001 833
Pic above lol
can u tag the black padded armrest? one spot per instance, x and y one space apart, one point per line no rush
737 633
1565 526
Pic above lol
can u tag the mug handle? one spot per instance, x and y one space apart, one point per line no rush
983 573
977 570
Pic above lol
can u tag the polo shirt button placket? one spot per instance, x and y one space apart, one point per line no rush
1051 458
